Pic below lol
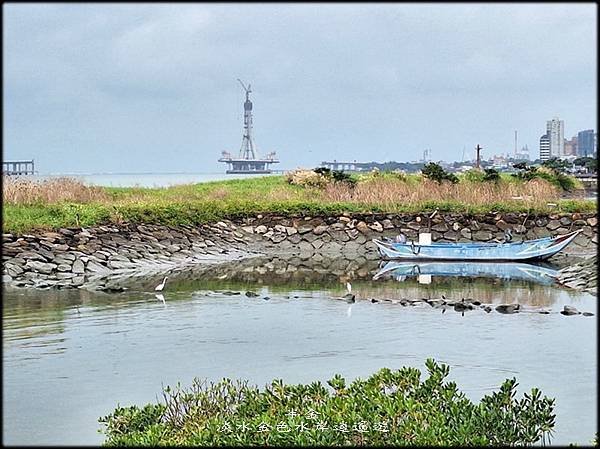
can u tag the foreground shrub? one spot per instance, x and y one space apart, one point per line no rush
551 171
388 408
307 178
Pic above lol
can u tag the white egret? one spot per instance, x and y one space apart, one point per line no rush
349 297
160 286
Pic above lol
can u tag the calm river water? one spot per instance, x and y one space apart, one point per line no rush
71 356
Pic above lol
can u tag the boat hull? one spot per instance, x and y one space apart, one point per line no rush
525 250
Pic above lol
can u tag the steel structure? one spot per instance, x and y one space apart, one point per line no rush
18 167
248 160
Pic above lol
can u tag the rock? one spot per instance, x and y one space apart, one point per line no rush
461 307
344 219
317 244
361 226
593 221
31 255
63 267
352 233
376 226
565 221
318 230
40 267
251 294
587 314
502 225
277 238
13 270
508 308
387 224
519 229
291 230
466 233
452 236
440 227
570 310
483 236
553 224
261 229
78 267
487 309
96 267
119 265
303 229
455 226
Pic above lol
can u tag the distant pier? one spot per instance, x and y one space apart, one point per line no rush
18 167
347 166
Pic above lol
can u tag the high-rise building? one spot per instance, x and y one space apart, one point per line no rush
544 147
555 132
571 146
585 143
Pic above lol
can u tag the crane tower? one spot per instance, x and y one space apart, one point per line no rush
248 160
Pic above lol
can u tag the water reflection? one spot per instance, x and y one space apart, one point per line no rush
501 270
121 347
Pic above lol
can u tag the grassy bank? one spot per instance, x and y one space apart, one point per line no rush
64 202
392 407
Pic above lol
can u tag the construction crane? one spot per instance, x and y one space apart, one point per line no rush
247 89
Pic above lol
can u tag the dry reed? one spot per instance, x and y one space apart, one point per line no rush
389 192
26 191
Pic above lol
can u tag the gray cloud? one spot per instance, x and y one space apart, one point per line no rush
124 87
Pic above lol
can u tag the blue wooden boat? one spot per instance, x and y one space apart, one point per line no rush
506 270
525 250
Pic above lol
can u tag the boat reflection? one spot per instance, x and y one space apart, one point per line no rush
502 270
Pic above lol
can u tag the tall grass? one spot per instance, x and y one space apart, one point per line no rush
67 202
58 190
390 192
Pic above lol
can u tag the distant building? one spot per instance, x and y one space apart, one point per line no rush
522 154
571 146
585 143
555 132
544 147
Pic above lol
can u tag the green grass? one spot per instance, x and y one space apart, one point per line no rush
194 204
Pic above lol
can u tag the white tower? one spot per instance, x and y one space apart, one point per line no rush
248 148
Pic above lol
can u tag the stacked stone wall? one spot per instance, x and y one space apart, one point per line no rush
75 257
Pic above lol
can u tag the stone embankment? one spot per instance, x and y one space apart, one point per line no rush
75 257
581 276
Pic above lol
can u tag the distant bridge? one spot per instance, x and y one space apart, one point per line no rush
18 167
589 180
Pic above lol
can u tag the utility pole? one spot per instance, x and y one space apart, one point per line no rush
515 144
478 149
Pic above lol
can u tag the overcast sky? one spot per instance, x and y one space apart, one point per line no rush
152 87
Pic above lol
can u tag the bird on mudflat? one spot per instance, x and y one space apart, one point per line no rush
349 297
159 287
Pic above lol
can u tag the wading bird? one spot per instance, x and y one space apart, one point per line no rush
349 297
159 287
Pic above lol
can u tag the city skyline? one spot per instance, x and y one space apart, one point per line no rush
139 88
